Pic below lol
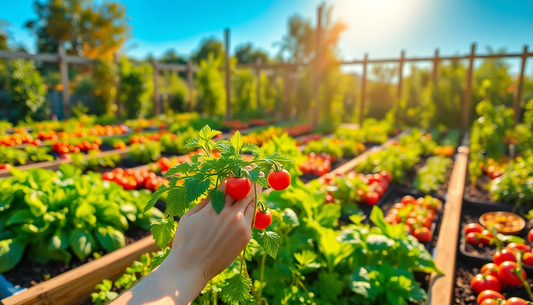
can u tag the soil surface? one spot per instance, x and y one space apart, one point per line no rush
463 293
28 273
477 191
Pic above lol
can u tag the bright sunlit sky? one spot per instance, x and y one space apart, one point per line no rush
380 27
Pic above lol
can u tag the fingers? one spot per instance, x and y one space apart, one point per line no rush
249 212
242 204
229 200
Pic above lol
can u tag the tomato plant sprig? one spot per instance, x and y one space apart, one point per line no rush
190 181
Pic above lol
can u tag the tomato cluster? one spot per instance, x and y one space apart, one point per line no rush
317 165
445 151
148 137
359 188
417 215
17 139
493 169
131 180
65 147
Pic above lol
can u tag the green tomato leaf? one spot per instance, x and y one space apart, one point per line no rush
155 197
237 289
237 141
182 168
270 242
192 143
163 231
277 157
195 188
217 200
176 202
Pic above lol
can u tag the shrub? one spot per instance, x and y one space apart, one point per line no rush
136 87
26 89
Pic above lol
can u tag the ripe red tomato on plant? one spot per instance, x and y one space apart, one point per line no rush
408 199
490 269
375 178
5 166
516 301
527 258
483 282
371 198
262 220
518 247
279 180
506 273
486 237
386 176
379 189
108 176
530 235
473 228
472 239
238 188
422 234
490 302
489 294
503 256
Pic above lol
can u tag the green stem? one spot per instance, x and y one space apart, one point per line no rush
518 272
261 277
496 240
213 297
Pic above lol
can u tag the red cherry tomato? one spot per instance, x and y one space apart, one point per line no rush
5 166
375 178
530 235
371 198
473 228
518 247
472 239
490 269
279 180
262 220
486 237
422 234
489 294
408 199
238 188
506 274
482 282
503 256
528 258
516 301
386 176
490 302
108 176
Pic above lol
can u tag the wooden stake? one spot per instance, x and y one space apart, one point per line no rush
363 92
518 94
468 89
63 68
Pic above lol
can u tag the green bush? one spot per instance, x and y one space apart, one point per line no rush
211 86
26 89
105 76
136 88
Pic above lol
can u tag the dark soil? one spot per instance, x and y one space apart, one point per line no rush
463 293
28 273
411 174
477 191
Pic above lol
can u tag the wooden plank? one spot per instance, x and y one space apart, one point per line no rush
435 70
441 286
75 286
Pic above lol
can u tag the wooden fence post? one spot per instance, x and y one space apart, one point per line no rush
400 84
468 89
63 68
518 93
258 74
118 101
287 93
317 70
228 78
363 92
190 82
157 105
435 71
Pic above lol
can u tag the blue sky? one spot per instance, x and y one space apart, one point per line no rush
380 27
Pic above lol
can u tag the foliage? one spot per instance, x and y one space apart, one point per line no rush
106 75
335 147
174 143
145 152
136 88
38 154
26 89
432 175
286 146
92 30
417 139
394 159
245 91
12 155
177 92
211 86
46 213
516 183
92 161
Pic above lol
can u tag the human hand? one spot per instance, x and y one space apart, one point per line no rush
208 242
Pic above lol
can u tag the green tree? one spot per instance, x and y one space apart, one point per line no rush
136 88
211 86
26 89
105 74
89 29
246 54
245 92
177 91
209 46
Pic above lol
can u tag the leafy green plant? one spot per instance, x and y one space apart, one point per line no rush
432 175
38 154
93 160
5 125
516 183
417 139
201 177
145 152
393 159
105 75
13 156
26 89
174 143
324 146
47 213
211 86
136 86
286 146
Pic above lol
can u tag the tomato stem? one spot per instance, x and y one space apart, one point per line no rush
518 272
261 277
